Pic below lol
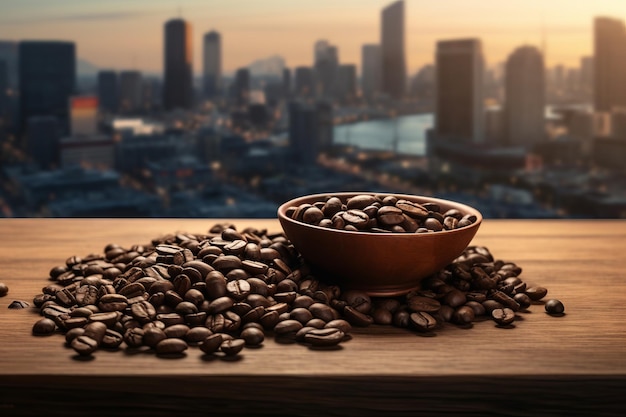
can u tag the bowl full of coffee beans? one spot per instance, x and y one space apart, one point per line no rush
382 244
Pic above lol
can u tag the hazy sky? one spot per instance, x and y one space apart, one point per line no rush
124 34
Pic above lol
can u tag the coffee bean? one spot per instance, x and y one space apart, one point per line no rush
355 317
287 326
554 307
536 293
252 336
44 327
358 300
4 289
523 300
232 347
324 337
503 316
171 346
211 343
197 334
152 336
340 324
463 315
111 339
73 334
425 304
18 304
422 322
84 345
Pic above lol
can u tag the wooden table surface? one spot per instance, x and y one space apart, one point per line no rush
570 365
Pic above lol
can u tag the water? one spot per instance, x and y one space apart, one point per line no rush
379 134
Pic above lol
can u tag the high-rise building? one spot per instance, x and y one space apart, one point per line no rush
459 90
130 92
9 54
326 62
178 89
304 82
609 64
241 86
346 82
287 82
43 134
108 92
586 75
212 64
392 50
47 79
371 70
525 97
310 130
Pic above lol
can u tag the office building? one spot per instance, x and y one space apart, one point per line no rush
609 64
326 63
346 82
241 86
178 88
212 64
130 92
459 90
524 98
304 82
286 81
9 54
310 130
43 134
392 50
371 70
108 92
47 79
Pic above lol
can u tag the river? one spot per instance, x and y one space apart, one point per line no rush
379 134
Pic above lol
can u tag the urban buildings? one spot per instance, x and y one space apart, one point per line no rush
178 92
304 82
130 92
524 98
459 85
392 50
47 78
326 64
241 86
108 92
310 130
212 64
609 64
346 82
371 70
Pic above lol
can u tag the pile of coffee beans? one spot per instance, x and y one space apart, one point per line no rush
227 289
380 213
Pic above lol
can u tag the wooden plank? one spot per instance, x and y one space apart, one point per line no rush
581 262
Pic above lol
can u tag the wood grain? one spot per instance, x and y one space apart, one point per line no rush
574 365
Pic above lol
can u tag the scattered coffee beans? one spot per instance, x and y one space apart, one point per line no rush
18 304
225 290
380 213
4 289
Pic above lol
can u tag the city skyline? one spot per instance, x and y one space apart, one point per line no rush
123 35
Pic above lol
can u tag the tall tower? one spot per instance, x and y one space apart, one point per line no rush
459 86
108 91
212 64
47 79
370 70
178 90
525 97
392 50
609 64
326 64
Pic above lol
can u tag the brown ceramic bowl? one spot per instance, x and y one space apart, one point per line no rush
381 264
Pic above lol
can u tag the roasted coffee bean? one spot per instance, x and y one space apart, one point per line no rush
536 293
177 330
143 311
18 304
382 316
84 345
287 326
111 339
44 327
479 309
301 314
555 307
463 315
523 300
171 346
503 316
211 343
322 311
4 289
355 317
232 347
358 300
422 321
505 300
252 336
425 304
113 302
324 337
73 334
152 336
455 298
197 334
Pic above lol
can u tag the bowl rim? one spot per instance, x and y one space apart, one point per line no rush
467 209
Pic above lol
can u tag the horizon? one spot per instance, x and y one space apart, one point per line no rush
122 35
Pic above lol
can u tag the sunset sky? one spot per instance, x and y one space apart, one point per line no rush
123 34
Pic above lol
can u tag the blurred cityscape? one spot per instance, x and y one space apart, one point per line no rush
515 140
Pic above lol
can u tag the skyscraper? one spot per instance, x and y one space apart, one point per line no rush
178 90
609 64
47 78
326 58
108 91
241 86
130 94
524 97
392 50
304 82
212 64
346 82
310 130
9 54
371 69
459 90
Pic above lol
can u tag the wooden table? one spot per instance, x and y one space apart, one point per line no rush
570 365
